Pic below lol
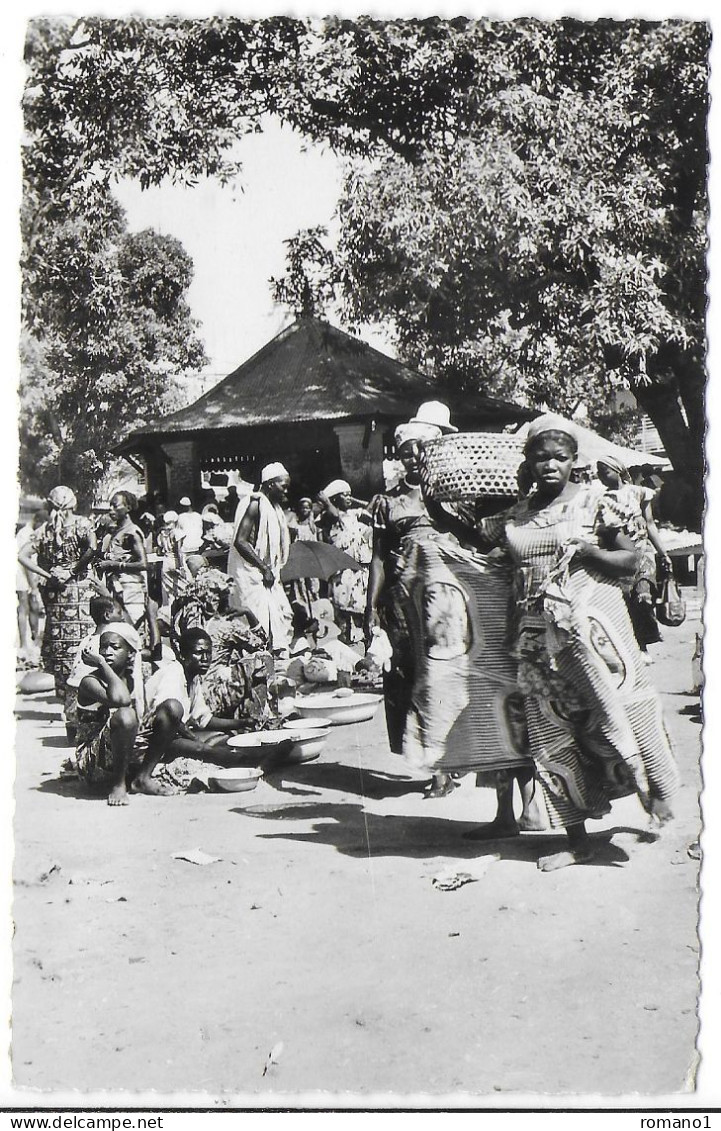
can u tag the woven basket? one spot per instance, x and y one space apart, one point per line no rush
469 465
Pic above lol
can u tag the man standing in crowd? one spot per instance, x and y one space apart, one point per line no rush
261 543
189 527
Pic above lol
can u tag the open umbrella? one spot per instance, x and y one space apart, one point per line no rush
316 559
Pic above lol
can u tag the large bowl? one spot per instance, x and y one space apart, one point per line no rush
355 708
307 744
250 741
237 780
306 724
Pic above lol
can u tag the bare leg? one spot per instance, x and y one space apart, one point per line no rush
531 819
23 622
123 729
579 851
165 729
441 785
504 823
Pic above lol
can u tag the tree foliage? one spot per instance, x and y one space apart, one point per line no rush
530 206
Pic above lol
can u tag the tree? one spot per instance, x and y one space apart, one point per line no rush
589 138
108 331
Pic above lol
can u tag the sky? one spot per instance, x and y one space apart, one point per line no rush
235 235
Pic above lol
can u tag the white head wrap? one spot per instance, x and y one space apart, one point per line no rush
415 431
337 487
126 631
272 471
551 422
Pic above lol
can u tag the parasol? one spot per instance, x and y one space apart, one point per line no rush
316 559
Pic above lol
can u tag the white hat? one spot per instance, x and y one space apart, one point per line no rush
434 412
185 502
170 516
210 518
337 487
272 471
415 430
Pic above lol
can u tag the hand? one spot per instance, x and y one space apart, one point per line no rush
582 550
92 659
370 621
666 564
268 577
61 574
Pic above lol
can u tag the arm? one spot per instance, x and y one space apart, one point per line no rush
653 535
619 559
107 687
449 523
376 578
244 539
138 562
30 564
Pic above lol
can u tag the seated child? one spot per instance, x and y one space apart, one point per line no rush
110 704
104 609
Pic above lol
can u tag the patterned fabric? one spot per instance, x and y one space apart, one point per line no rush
129 587
349 589
594 721
93 751
402 521
67 608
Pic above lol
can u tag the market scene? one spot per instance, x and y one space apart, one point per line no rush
358 705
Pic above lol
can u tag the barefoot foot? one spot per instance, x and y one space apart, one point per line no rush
118 795
660 811
531 823
441 785
150 786
564 859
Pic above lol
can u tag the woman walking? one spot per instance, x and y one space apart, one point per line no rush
595 726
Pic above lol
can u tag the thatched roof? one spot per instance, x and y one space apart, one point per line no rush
312 371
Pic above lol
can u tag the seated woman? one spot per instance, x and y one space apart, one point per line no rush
241 665
110 705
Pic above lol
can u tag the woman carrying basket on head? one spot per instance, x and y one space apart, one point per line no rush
594 722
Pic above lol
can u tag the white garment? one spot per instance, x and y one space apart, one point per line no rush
169 682
190 531
272 544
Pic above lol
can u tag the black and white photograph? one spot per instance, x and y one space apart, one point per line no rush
359 464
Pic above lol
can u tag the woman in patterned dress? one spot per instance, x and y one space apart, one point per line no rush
236 683
595 725
641 589
400 520
347 528
124 562
60 552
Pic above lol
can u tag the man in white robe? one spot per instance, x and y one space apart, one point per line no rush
260 548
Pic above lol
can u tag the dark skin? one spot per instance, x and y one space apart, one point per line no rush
132 541
171 737
110 687
276 490
59 576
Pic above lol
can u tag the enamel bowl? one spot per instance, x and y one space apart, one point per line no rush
357 707
237 780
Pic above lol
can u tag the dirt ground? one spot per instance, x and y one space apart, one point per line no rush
319 934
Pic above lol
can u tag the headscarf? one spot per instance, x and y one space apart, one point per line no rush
615 465
337 487
126 631
272 471
62 501
132 639
551 422
416 431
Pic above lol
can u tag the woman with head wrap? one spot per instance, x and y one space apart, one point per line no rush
60 552
348 528
303 528
236 681
594 722
400 519
640 589
123 561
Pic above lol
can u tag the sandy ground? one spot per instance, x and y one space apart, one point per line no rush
320 928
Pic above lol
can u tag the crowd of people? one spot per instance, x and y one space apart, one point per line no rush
166 631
